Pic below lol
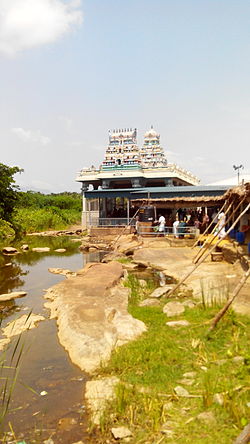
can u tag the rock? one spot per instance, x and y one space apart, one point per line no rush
97 393
14 295
186 381
173 309
60 250
218 398
3 343
190 375
238 359
78 442
25 247
189 304
48 441
41 249
9 250
129 266
63 271
142 282
204 368
221 361
160 291
92 249
22 324
207 417
149 303
167 428
121 432
128 244
178 323
113 256
181 391
66 423
92 316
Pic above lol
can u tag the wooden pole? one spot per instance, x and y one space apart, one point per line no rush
209 226
200 253
237 289
207 254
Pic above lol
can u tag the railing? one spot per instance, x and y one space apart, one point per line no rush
180 233
110 221
144 229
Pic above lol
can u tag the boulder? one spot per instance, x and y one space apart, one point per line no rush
25 247
64 272
121 432
41 249
174 308
181 391
149 302
97 393
9 250
206 417
14 295
22 324
161 291
113 256
189 304
60 250
183 323
92 316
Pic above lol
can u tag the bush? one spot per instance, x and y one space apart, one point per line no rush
6 229
41 219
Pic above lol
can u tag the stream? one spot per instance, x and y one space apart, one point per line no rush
47 401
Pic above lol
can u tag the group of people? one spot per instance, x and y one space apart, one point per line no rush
199 220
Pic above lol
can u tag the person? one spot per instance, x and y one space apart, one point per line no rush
137 225
161 222
205 221
181 228
175 227
221 232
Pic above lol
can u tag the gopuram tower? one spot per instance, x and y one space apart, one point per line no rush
122 150
152 154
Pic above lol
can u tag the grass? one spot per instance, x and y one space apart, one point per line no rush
152 366
40 219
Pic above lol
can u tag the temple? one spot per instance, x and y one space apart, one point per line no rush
127 169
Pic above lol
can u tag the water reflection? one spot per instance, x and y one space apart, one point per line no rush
45 365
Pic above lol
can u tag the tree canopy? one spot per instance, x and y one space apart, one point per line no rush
8 190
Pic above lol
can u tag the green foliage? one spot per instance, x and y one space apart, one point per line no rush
63 201
40 219
8 191
6 229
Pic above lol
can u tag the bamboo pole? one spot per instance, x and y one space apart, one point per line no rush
200 253
206 255
237 289
123 231
209 226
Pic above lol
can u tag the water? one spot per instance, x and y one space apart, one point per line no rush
45 366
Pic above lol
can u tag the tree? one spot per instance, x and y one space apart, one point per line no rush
8 190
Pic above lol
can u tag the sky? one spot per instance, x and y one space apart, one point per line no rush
72 70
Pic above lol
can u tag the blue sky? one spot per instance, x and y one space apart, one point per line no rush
71 70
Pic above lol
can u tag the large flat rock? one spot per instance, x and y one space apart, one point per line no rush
91 313
212 280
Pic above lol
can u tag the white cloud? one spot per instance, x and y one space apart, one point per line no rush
25 24
31 136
